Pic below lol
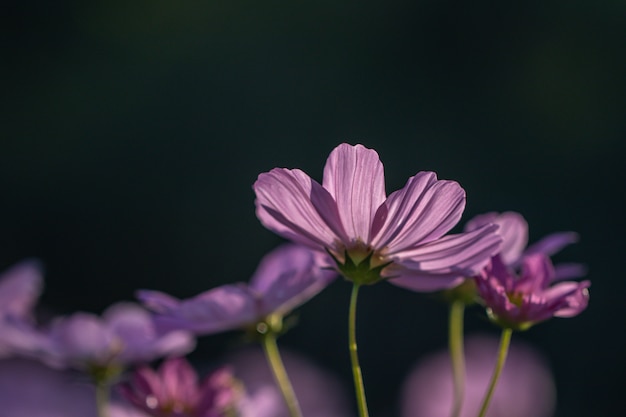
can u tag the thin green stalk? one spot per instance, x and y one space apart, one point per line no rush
102 398
354 356
505 340
457 356
280 374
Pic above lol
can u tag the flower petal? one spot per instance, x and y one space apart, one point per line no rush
537 273
463 254
354 177
552 243
513 229
568 271
575 295
289 276
291 204
223 308
424 210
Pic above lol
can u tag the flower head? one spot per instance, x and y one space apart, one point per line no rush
371 235
520 301
525 387
285 278
125 334
174 391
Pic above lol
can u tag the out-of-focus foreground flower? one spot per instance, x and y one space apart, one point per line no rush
286 278
123 335
372 236
30 389
525 388
20 288
174 391
319 392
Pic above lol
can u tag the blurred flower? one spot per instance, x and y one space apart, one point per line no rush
319 393
525 388
286 278
30 389
20 288
519 302
174 391
514 232
372 236
125 334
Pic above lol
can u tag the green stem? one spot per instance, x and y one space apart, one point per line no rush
457 356
280 374
102 398
505 340
354 356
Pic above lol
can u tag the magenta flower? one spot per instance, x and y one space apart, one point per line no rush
125 334
513 229
371 235
525 388
518 302
286 278
174 391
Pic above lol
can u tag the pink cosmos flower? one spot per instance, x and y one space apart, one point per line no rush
518 302
174 391
371 235
513 229
125 334
286 278
525 388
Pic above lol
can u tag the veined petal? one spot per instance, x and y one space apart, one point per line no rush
289 276
463 254
552 243
291 204
354 177
423 211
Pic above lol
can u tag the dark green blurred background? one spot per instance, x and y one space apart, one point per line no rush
132 132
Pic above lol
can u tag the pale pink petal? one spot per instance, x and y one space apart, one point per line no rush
291 204
463 254
481 220
354 177
423 211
